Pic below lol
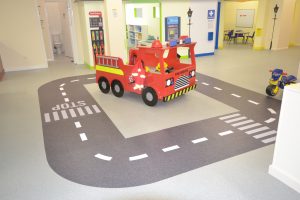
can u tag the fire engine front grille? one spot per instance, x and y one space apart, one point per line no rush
182 82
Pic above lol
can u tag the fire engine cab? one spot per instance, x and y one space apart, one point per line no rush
155 72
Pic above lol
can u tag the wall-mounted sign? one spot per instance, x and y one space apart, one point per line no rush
211 14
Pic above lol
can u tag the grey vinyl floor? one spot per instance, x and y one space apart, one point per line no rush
25 174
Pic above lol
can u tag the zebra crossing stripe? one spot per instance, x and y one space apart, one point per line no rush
80 111
236 119
242 123
64 114
270 120
264 134
77 124
272 139
97 110
229 116
47 117
55 116
257 130
88 110
72 113
249 126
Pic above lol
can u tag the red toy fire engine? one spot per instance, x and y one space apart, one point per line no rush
155 72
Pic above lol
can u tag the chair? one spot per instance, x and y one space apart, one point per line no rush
231 36
250 36
226 34
240 35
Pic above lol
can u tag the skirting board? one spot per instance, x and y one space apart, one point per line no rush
13 69
285 178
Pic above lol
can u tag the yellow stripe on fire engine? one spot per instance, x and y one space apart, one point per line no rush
179 93
110 70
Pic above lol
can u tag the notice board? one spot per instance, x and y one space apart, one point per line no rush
245 18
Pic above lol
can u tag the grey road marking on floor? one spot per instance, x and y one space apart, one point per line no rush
225 133
89 167
249 126
235 119
269 140
257 130
242 123
265 134
138 157
196 141
229 116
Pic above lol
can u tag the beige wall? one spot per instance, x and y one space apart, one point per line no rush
21 42
295 33
230 9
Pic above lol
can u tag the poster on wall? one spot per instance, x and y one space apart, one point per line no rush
97 32
245 18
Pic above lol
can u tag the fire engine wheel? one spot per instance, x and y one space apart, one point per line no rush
149 96
104 85
117 88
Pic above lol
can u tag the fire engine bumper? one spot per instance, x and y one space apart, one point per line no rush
178 93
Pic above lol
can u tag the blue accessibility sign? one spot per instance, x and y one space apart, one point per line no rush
211 14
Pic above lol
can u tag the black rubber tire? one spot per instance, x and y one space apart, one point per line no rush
104 85
149 96
117 88
270 89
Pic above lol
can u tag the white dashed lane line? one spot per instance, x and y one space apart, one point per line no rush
103 157
61 89
91 78
253 102
272 111
217 88
61 85
77 124
171 148
199 140
226 133
76 80
270 120
83 137
138 157
66 99
203 83
63 93
235 95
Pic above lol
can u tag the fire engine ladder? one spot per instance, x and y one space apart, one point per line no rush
108 61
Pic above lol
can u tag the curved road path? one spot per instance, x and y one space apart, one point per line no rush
83 145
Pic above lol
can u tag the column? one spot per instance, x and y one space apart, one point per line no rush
115 20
